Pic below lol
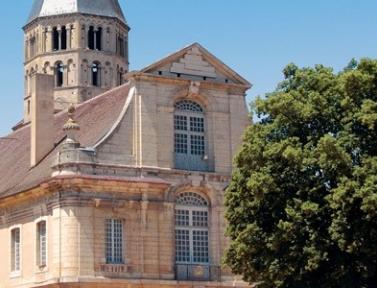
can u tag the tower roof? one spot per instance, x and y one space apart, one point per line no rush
44 8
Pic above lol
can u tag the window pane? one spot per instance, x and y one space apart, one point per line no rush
42 252
182 246
191 199
180 144
118 241
188 106
200 246
180 122
182 218
200 218
197 145
15 235
114 241
196 124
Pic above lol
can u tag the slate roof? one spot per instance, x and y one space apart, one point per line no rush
95 117
44 8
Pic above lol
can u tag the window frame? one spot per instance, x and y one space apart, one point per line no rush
98 39
112 257
91 38
55 39
37 244
96 75
190 136
191 228
15 273
59 74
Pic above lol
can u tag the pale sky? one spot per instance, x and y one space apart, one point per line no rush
257 38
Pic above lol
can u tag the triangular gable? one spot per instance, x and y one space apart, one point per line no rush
196 61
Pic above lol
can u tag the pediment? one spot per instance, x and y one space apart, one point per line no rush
196 63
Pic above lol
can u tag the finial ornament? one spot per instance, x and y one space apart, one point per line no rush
71 126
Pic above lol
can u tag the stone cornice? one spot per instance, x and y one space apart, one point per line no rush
74 15
82 184
230 87
148 179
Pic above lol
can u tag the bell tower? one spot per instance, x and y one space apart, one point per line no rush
83 44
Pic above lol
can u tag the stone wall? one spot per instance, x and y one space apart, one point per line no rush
77 59
145 136
76 210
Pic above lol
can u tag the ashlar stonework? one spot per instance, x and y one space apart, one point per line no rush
126 188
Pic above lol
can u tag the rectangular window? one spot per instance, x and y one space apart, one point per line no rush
180 144
200 246
200 218
180 122
197 145
15 250
114 241
41 244
197 124
182 246
182 218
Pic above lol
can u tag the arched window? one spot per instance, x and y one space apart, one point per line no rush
91 38
55 39
59 74
95 38
191 229
63 39
189 136
33 47
120 76
99 39
59 38
96 74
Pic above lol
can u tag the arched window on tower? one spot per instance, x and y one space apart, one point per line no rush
99 39
59 74
96 74
191 236
63 38
55 39
189 136
33 47
120 76
91 38
120 46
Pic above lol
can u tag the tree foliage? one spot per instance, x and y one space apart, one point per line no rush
302 203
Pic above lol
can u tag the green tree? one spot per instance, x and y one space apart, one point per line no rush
302 203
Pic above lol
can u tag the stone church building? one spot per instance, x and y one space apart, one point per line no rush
116 178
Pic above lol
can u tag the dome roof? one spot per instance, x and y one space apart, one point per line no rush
108 8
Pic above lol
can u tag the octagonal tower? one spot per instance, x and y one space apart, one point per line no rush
83 43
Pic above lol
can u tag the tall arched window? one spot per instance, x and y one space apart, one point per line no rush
96 74
59 74
63 39
191 229
55 39
189 136
91 38
59 38
119 76
99 39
